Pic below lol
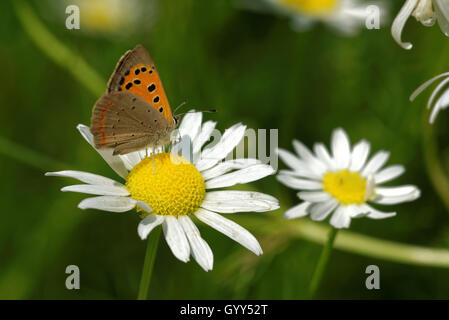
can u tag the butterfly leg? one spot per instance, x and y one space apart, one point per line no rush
154 166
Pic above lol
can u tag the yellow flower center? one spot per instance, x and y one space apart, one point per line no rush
102 15
311 7
173 186
347 187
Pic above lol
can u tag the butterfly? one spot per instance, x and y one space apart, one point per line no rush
134 113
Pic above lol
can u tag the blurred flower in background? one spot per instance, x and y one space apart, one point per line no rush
169 190
345 16
341 183
443 98
110 17
426 12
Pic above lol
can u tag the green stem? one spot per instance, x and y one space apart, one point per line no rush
28 156
435 170
150 255
351 242
438 176
322 263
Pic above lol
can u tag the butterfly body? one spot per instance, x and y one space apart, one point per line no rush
134 113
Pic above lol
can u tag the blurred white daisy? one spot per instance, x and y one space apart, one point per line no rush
109 17
346 16
426 12
343 183
443 98
175 191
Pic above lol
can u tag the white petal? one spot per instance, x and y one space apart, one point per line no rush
395 191
98 190
376 162
424 13
246 175
300 167
358 211
319 211
227 166
115 162
425 85
317 165
191 124
144 206
200 250
290 159
148 224
297 211
324 156
230 139
301 173
376 214
108 203
359 155
341 218
299 184
240 195
341 148
230 229
388 174
314 196
131 160
203 136
435 92
441 104
396 195
176 238
85 177
442 13
399 23
239 201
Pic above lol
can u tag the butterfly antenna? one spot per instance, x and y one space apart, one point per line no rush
204 111
182 104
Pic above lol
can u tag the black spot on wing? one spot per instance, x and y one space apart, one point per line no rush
151 87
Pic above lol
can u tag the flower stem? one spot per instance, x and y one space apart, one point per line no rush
150 255
322 263
434 165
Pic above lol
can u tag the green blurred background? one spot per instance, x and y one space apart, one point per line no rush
254 69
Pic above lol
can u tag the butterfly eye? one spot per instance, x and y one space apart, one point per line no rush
175 120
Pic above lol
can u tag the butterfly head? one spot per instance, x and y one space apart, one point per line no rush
176 119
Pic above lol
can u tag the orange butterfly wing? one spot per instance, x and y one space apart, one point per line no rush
137 74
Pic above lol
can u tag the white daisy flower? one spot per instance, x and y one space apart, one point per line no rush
443 98
343 182
346 16
426 12
175 191
108 17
